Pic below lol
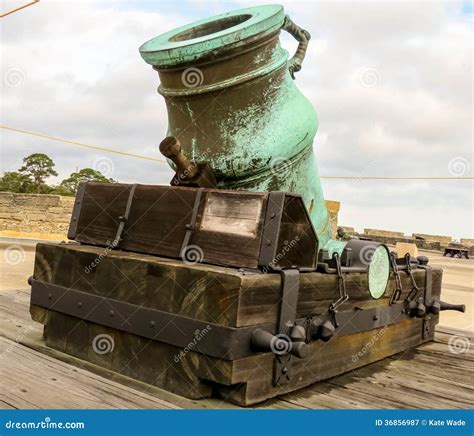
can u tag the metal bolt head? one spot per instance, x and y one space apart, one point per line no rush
79 304
111 313
152 323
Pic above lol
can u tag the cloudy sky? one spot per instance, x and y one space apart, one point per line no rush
391 81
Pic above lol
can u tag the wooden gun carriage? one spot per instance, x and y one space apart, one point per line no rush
208 292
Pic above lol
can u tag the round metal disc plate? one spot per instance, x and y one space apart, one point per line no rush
379 270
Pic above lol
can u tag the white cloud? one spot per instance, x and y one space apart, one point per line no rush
81 77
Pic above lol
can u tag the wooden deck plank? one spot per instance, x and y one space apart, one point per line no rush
31 379
440 349
326 395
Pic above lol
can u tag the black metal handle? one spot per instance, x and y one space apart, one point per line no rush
278 344
416 309
323 330
437 306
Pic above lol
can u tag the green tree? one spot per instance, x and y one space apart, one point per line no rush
69 186
15 182
38 167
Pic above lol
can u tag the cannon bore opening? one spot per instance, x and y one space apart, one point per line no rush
211 27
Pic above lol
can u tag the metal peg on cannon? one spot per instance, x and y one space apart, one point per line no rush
191 174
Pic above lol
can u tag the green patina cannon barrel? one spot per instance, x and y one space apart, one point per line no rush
232 103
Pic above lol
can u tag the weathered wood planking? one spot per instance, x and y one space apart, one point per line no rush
228 229
218 295
33 380
214 294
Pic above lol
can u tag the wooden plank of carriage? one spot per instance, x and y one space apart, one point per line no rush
424 377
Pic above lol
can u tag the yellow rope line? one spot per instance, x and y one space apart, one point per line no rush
95 147
111 150
397 178
18 8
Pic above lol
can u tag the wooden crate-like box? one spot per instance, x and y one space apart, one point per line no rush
232 228
220 297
